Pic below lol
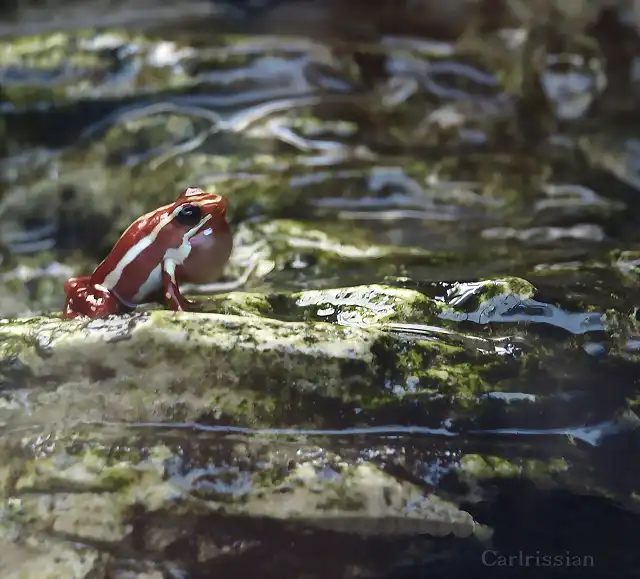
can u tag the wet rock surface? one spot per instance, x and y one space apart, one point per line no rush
425 356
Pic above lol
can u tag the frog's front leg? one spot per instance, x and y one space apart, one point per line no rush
172 296
89 299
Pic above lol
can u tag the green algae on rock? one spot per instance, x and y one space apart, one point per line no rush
63 67
96 488
39 556
364 306
269 361
160 366
234 367
295 253
511 300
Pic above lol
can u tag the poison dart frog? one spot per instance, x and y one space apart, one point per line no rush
188 241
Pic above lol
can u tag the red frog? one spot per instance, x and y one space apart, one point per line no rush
188 241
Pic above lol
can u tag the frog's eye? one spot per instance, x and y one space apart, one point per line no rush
189 215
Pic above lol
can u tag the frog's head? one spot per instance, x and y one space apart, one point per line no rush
196 212
199 219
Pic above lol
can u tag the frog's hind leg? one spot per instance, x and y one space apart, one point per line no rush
86 299
71 285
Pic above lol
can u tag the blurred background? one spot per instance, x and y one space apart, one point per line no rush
449 148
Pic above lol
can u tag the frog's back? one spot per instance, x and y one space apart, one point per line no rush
133 268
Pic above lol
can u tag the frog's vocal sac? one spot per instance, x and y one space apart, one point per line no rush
188 241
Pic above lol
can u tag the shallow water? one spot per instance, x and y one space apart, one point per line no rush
495 155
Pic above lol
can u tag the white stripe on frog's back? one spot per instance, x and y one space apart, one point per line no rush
173 257
150 285
194 191
113 277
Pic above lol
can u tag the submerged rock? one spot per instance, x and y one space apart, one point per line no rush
40 557
166 502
